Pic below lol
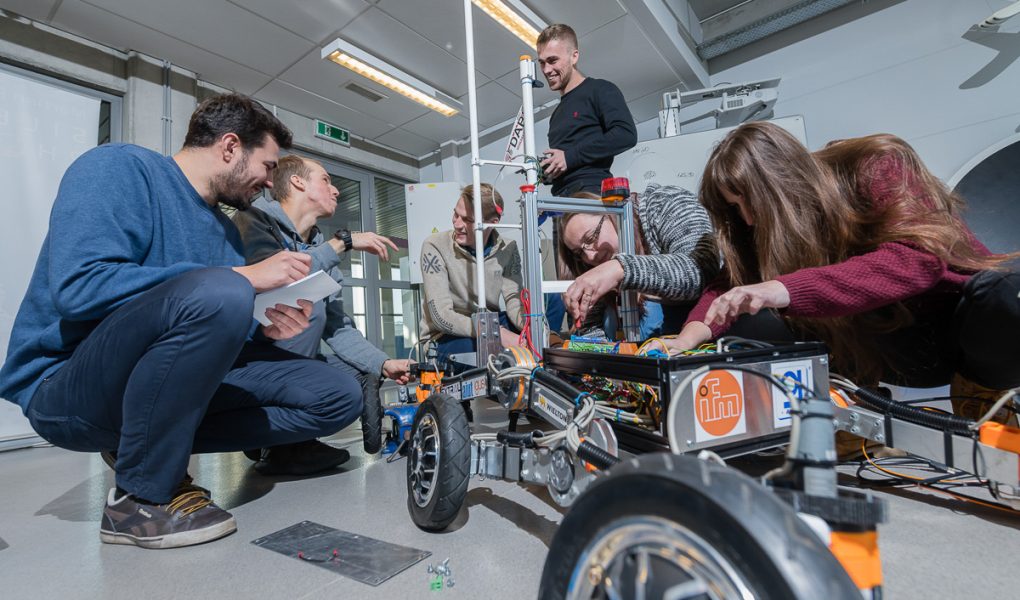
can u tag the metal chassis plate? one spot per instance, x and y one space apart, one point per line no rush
666 374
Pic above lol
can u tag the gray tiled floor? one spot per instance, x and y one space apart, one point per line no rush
51 499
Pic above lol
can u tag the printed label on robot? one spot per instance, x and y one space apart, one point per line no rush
474 388
718 405
453 389
793 374
553 410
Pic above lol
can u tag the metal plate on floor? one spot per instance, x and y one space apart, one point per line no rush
357 557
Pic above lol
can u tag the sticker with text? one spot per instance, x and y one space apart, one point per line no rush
796 375
719 405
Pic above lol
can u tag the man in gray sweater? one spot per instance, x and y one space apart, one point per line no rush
304 194
448 278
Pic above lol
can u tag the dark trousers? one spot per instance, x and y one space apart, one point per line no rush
171 373
450 346
975 334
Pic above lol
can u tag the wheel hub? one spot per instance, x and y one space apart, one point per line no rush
652 557
424 457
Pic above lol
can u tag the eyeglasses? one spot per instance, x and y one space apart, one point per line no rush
590 239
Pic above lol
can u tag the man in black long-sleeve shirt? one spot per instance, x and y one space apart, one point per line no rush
590 125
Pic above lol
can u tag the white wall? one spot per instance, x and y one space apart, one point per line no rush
904 70
138 78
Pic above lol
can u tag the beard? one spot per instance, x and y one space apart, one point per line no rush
230 189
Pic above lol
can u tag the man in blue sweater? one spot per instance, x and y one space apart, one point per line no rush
136 334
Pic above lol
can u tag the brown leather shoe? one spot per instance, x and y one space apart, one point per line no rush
971 400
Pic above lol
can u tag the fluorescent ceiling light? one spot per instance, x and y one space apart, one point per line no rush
512 20
375 69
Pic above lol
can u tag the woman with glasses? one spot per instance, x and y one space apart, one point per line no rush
675 256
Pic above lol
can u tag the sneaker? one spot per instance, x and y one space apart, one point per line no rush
971 400
302 458
189 518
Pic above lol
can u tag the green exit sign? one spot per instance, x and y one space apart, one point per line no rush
332 133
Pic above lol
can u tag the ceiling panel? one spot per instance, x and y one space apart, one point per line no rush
408 142
495 104
442 22
708 8
583 16
635 67
217 26
302 102
438 128
408 51
314 20
328 79
512 81
33 9
102 26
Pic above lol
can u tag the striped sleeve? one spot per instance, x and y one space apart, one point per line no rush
682 254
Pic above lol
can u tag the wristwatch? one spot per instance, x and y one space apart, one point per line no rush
344 235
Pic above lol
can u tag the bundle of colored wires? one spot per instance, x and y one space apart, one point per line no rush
525 337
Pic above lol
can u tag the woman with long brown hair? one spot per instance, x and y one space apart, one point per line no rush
858 245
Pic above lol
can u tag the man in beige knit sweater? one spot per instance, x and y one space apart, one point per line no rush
448 276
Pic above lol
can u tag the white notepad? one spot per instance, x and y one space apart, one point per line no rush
313 288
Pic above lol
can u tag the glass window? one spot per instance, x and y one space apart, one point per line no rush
399 326
347 216
391 221
354 307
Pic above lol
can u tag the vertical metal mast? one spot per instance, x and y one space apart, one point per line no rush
476 168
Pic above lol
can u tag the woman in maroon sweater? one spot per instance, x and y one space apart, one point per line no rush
858 245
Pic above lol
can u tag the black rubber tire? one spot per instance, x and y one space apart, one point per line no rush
776 552
453 464
371 415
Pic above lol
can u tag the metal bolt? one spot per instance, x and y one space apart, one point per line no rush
674 378
449 582
855 429
879 437
430 569
854 417
690 443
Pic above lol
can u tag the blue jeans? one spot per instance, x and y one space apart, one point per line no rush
555 311
451 345
171 373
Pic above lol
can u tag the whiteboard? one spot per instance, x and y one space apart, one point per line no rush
429 209
44 128
680 160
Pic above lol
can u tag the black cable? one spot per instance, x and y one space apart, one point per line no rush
729 340
766 376
912 414
556 384
596 456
